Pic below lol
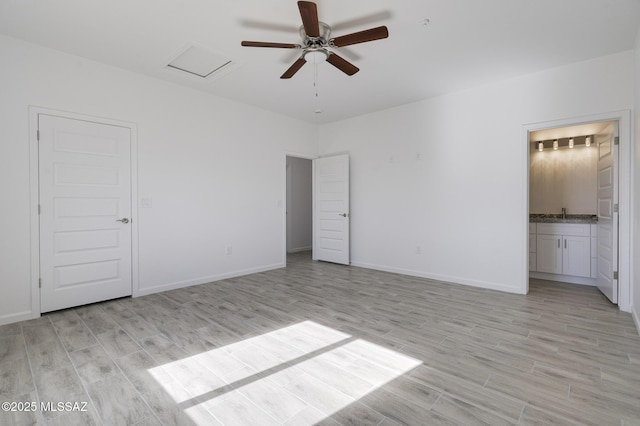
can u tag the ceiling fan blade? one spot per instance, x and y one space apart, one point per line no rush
269 44
342 64
361 37
294 68
309 15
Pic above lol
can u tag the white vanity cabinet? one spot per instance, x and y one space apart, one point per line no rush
564 248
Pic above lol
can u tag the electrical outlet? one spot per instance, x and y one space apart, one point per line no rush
229 250
146 202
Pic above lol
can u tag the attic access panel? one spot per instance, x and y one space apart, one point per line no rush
199 61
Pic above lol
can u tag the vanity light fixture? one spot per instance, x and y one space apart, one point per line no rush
555 144
540 146
570 142
587 141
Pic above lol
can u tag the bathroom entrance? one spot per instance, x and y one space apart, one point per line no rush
574 205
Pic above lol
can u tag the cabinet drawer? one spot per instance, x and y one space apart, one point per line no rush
573 229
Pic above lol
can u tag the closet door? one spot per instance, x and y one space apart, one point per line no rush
85 212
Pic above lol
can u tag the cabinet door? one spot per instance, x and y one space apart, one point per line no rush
549 254
576 256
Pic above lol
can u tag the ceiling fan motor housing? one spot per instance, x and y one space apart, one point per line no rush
315 50
322 41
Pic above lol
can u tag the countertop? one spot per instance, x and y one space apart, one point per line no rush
557 218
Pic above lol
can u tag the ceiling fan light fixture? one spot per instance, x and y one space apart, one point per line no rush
315 56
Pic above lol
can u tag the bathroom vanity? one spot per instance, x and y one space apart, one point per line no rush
563 248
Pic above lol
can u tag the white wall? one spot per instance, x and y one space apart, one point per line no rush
446 174
635 279
214 180
299 200
563 178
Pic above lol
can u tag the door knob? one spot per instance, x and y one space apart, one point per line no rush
343 214
123 220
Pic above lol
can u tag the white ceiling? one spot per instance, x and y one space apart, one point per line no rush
466 43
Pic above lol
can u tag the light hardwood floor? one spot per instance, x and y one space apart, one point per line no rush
317 343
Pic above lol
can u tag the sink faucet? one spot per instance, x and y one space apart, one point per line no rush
564 212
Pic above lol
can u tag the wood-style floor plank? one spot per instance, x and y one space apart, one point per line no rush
319 343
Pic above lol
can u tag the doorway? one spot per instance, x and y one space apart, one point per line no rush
299 205
594 184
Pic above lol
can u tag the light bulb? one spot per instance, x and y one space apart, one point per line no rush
555 144
570 142
540 146
587 141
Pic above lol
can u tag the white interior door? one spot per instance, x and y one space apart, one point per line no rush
289 211
331 211
607 247
85 212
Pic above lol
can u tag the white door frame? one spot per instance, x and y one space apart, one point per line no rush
283 202
624 192
34 196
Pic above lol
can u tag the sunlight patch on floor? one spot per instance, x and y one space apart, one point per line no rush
301 373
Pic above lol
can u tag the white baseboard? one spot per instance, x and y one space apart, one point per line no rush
563 278
17 317
204 280
299 249
438 277
27 315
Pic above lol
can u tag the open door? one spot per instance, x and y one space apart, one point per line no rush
331 209
607 279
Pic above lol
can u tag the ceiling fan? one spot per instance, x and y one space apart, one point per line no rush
316 42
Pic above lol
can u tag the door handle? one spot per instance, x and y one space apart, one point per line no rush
343 214
123 220
558 242
565 243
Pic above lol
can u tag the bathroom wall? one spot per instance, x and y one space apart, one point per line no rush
563 178
299 205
